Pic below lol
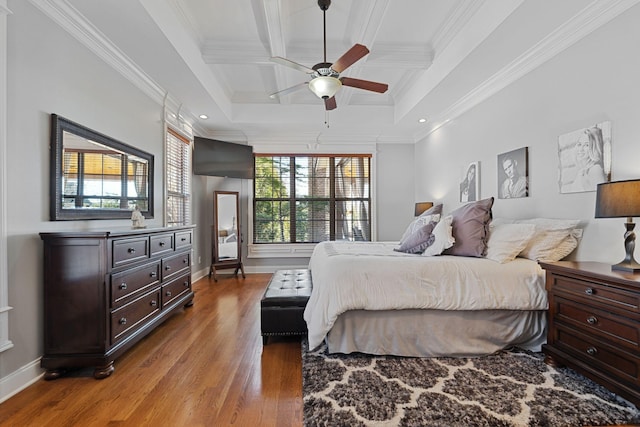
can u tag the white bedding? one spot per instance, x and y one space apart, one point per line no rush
371 276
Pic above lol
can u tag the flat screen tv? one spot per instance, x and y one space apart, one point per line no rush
219 158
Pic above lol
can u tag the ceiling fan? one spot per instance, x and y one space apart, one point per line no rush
325 76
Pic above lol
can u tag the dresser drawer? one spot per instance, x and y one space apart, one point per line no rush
183 239
611 359
175 265
127 251
161 243
595 293
127 319
175 288
134 281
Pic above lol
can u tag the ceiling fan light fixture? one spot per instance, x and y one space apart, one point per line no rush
325 86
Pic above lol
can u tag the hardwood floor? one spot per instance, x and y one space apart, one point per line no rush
205 366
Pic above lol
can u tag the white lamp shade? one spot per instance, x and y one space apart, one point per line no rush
324 86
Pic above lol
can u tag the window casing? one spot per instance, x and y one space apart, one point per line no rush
311 198
178 179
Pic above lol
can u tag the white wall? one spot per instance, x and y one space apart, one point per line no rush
594 80
394 190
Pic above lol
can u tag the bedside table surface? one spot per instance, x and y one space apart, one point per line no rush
594 270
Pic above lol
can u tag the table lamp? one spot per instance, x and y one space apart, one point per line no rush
621 199
422 206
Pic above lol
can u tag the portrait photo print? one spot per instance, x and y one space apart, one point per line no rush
513 174
584 158
470 184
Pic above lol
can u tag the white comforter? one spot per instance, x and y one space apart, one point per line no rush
371 276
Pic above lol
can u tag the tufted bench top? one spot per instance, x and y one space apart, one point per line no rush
288 288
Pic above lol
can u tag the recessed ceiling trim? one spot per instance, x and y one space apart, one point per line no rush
483 22
582 24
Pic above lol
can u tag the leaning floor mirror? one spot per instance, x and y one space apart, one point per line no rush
226 242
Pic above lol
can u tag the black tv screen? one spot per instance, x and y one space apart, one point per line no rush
219 158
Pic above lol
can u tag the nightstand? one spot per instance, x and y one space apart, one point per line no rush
594 324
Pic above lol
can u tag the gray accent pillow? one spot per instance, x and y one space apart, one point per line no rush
419 240
423 219
471 229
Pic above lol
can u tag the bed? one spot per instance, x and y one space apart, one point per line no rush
370 297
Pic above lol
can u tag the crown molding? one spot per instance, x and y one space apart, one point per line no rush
76 24
592 17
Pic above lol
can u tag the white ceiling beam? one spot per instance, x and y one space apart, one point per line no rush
365 19
182 40
483 22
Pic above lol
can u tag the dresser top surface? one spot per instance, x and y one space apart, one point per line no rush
114 232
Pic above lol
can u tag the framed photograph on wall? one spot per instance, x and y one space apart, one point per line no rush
584 158
470 184
513 174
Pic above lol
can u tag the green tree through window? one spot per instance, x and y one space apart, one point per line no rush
308 199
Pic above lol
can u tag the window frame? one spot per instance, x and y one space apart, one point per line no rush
304 250
184 177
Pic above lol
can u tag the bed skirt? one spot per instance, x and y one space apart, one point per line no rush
436 333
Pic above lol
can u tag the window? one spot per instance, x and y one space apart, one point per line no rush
103 180
178 178
309 199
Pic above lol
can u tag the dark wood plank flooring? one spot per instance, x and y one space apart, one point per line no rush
205 366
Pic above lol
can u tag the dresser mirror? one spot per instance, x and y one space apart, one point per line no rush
225 234
94 176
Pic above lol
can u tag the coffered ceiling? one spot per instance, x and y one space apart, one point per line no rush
439 58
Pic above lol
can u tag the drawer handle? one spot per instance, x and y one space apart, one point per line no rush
162 243
186 260
186 283
592 320
589 291
167 267
131 250
592 351
123 321
184 239
152 274
168 293
153 303
123 286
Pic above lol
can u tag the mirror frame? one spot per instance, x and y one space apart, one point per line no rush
57 213
216 246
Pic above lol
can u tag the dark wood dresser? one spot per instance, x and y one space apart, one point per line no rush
594 324
106 290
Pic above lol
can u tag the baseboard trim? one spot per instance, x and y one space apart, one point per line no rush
20 379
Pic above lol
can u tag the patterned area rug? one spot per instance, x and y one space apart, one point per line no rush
511 388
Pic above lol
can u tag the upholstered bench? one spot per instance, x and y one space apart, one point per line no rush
282 305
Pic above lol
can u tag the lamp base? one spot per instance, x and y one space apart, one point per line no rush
629 266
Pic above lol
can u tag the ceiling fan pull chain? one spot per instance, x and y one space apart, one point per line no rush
326 118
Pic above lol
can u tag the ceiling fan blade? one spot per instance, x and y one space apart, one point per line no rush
288 90
287 63
330 103
365 84
349 58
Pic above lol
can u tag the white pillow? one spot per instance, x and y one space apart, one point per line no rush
417 224
443 233
506 241
553 240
